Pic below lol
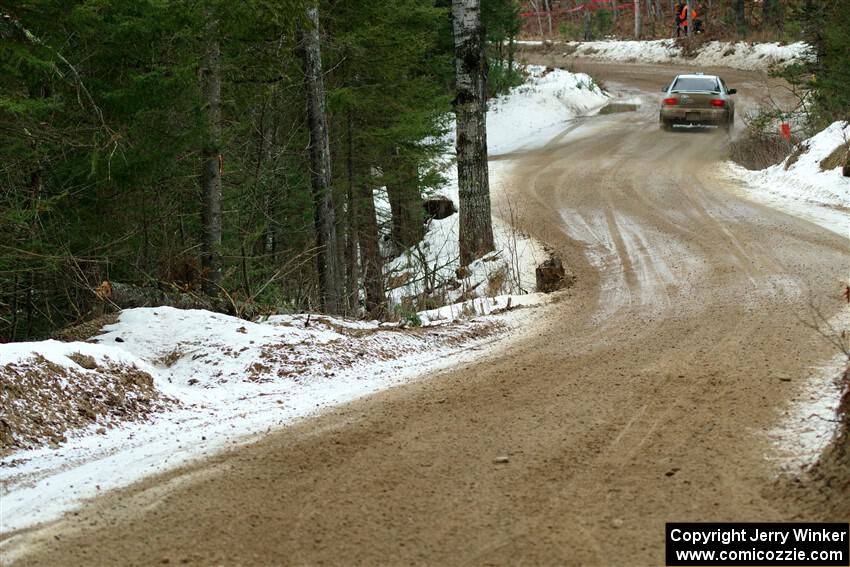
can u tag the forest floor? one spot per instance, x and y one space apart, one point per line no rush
653 390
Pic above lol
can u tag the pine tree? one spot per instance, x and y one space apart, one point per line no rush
320 163
211 161
388 94
108 108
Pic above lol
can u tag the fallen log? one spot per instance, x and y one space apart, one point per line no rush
128 296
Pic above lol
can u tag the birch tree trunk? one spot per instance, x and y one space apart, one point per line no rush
534 7
476 230
548 6
637 19
210 156
352 264
371 264
327 258
689 22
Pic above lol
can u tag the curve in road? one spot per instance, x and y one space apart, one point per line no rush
642 396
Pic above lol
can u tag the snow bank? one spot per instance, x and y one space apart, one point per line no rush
800 185
225 381
51 389
532 114
528 117
740 55
482 306
435 264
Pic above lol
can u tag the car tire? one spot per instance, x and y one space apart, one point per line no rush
666 125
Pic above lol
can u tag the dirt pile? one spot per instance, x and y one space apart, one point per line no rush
42 401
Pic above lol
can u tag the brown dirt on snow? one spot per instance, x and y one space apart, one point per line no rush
360 346
836 158
644 395
84 331
42 402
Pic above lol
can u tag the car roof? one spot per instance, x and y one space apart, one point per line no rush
696 76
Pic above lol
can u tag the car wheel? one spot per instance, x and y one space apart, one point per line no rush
666 125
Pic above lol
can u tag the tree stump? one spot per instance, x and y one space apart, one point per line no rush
550 276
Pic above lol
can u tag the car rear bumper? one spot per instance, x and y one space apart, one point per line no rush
695 115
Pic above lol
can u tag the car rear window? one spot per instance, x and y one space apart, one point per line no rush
696 84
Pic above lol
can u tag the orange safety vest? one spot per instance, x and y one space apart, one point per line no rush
684 15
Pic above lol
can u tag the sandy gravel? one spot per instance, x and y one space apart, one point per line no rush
642 396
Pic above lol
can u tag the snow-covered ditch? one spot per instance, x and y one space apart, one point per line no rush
528 117
739 55
162 386
805 184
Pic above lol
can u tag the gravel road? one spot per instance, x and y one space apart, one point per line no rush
642 395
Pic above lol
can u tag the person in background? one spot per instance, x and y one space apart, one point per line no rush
685 18
677 17
697 21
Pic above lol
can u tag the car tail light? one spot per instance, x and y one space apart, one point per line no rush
671 101
718 102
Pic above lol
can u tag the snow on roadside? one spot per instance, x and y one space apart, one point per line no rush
528 117
739 55
434 264
533 113
231 381
50 389
800 186
810 423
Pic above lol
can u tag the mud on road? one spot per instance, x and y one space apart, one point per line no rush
643 394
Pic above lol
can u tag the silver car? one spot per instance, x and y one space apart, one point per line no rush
697 99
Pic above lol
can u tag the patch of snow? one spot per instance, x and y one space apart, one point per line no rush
204 361
739 55
528 117
481 306
514 263
58 352
803 189
810 422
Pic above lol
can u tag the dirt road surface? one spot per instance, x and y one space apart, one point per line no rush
642 396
